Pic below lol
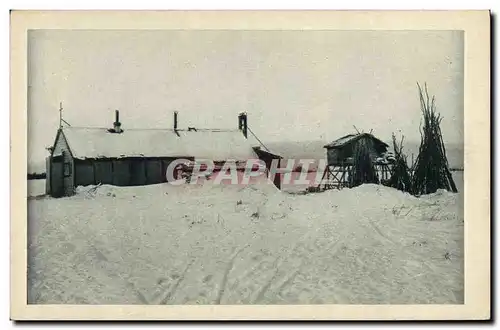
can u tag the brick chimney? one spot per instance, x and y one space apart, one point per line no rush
242 123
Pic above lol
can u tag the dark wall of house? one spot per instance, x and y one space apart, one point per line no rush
154 173
103 171
60 175
120 172
65 173
68 173
84 172
56 177
137 170
62 166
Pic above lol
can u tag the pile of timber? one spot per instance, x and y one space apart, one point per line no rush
431 169
401 173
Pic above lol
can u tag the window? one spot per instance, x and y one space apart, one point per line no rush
67 169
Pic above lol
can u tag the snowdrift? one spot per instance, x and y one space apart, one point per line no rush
213 244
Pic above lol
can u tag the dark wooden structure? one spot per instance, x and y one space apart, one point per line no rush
268 157
340 160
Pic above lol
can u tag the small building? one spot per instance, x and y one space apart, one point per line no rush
340 158
341 151
128 157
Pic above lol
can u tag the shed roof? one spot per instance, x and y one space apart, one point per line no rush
258 150
210 144
350 138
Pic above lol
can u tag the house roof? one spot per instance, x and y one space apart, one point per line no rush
201 144
350 138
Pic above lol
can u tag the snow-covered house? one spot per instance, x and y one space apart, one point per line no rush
126 157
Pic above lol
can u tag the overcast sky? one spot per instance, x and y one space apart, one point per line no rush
295 85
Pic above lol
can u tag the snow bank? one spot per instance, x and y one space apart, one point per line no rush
210 244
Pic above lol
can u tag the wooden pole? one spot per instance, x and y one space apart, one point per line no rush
60 114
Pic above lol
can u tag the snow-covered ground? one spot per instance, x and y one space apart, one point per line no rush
36 187
210 244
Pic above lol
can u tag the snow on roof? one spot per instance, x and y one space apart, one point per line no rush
202 144
339 143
